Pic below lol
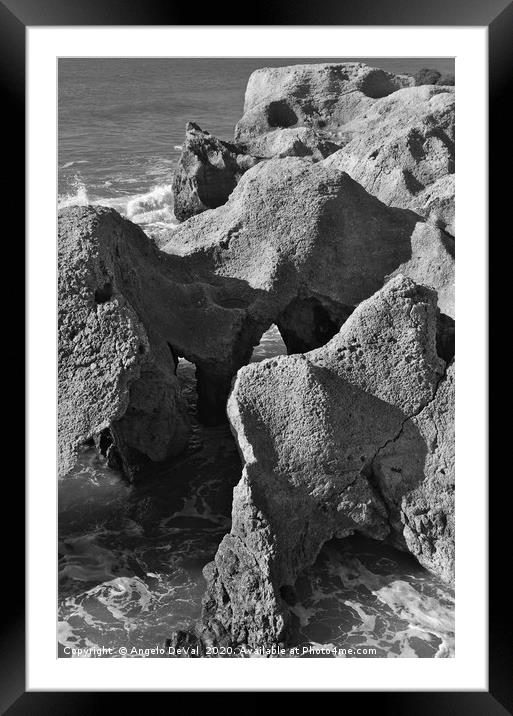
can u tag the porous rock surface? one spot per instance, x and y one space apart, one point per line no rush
402 151
298 244
356 436
127 312
318 96
116 381
207 172
294 142
393 138
297 235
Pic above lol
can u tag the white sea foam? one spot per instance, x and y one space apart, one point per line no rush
152 210
76 197
156 206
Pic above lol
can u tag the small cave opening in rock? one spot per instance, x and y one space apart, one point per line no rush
281 115
103 293
309 323
364 594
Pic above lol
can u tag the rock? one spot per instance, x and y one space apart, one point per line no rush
432 263
318 96
298 237
402 151
298 244
436 203
207 172
116 381
127 312
294 142
424 513
427 76
354 437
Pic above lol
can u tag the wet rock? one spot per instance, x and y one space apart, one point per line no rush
344 439
207 172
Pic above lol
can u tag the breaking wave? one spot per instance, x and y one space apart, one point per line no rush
153 210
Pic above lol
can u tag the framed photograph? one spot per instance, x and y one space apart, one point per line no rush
251 462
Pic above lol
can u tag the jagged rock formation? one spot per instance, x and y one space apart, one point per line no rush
436 203
116 381
294 142
127 312
355 436
393 138
323 96
298 237
402 151
207 172
298 244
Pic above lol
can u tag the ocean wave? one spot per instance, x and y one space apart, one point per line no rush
152 209
156 206
77 195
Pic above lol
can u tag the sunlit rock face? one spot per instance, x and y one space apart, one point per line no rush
320 96
354 437
298 244
402 151
116 376
395 139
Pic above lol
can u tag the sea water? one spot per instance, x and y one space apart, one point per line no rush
121 123
131 560
131 557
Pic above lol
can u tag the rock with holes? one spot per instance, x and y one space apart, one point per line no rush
354 437
317 96
402 151
294 142
207 172
116 375
127 313
300 244
436 203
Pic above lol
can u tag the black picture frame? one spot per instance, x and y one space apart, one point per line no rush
497 15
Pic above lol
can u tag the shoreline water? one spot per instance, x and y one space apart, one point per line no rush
131 559
122 123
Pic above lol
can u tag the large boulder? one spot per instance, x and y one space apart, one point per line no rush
402 151
207 172
318 96
299 237
298 244
127 313
354 437
116 375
